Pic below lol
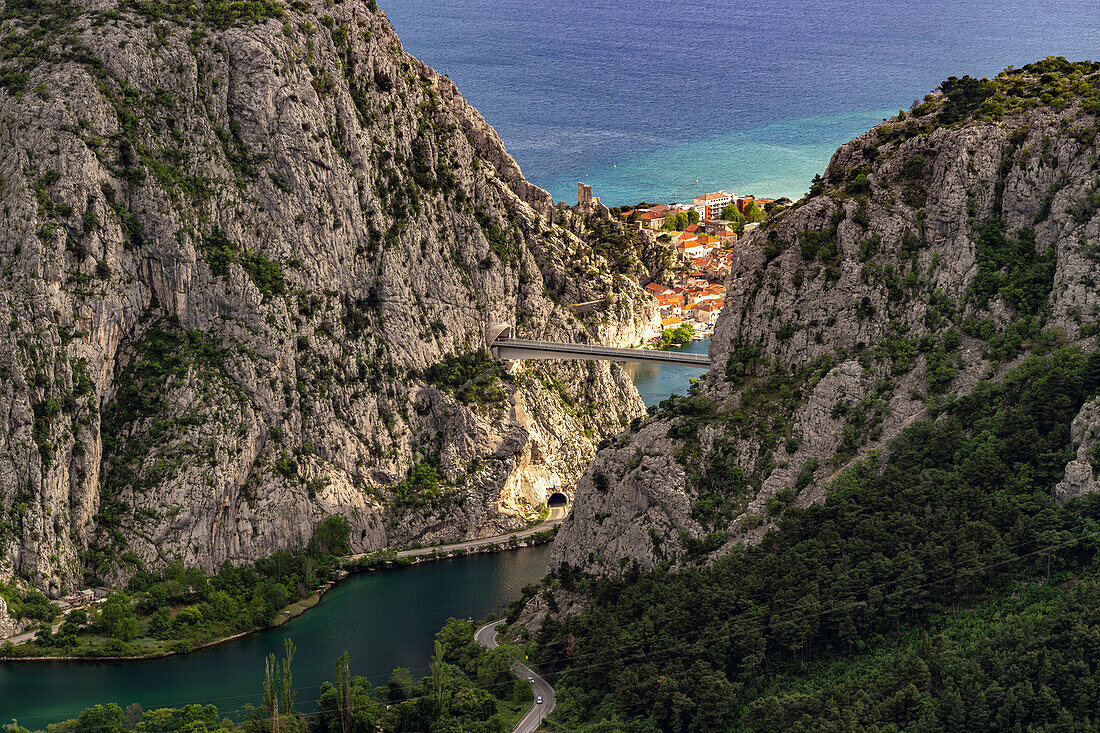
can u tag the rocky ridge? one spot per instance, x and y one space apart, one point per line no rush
250 250
940 248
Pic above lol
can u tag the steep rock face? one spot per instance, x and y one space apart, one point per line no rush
9 626
241 244
939 249
1082 472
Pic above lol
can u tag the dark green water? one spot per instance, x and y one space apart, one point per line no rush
655 382
385 620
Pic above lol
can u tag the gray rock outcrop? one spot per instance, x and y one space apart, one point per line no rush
236 251
9 626
1083 472
849 315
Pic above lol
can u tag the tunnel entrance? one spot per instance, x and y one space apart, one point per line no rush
557 499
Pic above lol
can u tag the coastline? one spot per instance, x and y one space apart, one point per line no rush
373 562
776 159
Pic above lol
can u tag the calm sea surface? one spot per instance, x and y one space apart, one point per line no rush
645 100
641 99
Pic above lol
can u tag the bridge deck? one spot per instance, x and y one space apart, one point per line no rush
510 348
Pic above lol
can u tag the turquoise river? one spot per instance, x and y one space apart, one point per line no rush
384 620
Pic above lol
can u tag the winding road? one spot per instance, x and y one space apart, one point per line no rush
557 514
530 722
29 635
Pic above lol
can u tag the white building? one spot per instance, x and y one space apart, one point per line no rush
713 203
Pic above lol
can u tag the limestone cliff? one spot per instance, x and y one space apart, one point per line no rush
1082 472
939 249
249 253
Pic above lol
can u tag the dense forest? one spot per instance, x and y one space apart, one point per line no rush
939 586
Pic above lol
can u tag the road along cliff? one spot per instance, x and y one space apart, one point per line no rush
250 250
939 250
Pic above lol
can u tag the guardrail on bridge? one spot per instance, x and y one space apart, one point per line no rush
513 348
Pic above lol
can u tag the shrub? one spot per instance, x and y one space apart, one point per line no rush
963 97
286 465
331 537
914 166
421 488
226 13
219 252
806 474
265 274
860 184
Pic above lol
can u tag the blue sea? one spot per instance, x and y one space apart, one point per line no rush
664 100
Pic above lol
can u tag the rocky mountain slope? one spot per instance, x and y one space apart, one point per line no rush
249 253
939 249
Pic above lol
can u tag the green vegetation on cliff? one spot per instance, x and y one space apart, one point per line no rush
44 30
474 377
1053 82
179 608
136 432
950 521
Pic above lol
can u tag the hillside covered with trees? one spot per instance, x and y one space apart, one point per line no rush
880 510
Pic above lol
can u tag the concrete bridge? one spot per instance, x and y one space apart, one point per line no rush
502 346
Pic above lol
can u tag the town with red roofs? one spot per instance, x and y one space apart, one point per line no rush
703 236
